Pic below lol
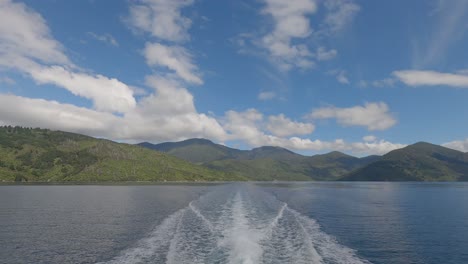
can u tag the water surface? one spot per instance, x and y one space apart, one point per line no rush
236 223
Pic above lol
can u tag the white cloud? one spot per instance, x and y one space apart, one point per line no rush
322 54
461 145
174 58
165 115
26 45
161 18
369 138
340 76
282 126
340 13
24 33
248 127
16 110
374 116
106 37
106 93
377 147
168 112
463 71
431 78
290 22
266 95
147 123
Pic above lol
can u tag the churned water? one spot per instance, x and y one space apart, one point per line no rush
236 223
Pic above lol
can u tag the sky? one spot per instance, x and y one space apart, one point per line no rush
313 76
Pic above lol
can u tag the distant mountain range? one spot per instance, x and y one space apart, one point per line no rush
40 155
418 162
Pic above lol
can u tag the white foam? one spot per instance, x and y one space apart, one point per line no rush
238 227
327 246
241 241
154 243
201 216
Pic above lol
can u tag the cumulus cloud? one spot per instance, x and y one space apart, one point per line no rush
175 58
374 116
108 94
461 145
147 123
161 18
282 126
24 33
168 111
290 22
291 42
377 147
248 126
432 78
266 95
26 45
16 110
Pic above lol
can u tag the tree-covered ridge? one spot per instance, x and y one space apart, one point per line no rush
264 163
418 162
28 154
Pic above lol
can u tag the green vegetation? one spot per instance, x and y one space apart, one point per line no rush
264 163
40 155
195 150
418 162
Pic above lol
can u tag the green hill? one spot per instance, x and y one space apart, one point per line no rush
41 155
418 162
195 150
263 163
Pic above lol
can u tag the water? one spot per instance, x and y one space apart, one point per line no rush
236 223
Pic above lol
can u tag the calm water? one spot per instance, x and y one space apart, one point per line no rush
236 223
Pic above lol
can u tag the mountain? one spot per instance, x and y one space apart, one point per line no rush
334 165
41 155
269 152
195 150
263 163
418 162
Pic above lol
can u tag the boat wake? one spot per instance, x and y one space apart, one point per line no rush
238 224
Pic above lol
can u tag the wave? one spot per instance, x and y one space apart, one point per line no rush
238 224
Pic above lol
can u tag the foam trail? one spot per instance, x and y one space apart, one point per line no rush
199 214
153 245
241 241
238 225
278 217
327 246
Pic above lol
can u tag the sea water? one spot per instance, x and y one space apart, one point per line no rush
292 222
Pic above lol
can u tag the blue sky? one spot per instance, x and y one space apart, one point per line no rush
362 77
